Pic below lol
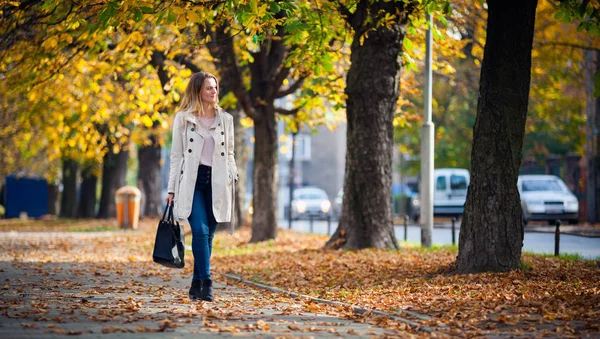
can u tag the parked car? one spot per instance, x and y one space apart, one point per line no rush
414 210
310 201
337 204
406 201
450 191
547 198
413 201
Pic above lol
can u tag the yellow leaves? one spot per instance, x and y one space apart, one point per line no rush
193 16
66 37
50 43
246 122
146 121
399 121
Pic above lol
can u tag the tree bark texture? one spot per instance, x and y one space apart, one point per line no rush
53 194
592 112
267 73
372 87
114 171
241 159
68 201
264 219
491 234
87 202
149 180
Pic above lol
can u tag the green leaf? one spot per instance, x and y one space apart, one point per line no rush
408 45
558 15
160 17
274 8
442 20
171 17
137 15
146 10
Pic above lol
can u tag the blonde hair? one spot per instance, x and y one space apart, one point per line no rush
192 98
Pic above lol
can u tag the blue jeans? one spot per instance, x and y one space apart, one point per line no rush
203 224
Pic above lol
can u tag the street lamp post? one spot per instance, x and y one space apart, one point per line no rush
427 135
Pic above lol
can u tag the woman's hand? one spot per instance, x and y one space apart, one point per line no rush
169 199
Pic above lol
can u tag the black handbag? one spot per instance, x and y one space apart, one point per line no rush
169 246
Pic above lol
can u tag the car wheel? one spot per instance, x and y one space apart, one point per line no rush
525 221
573 222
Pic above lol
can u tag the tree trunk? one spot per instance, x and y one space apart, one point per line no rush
592 64
53 194
87 202
241 159
68 201
491 235
264 220
373 86
114 171
149 180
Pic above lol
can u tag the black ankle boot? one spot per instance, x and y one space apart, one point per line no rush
196 289
207 292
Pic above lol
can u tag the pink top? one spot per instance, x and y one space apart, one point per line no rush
209 141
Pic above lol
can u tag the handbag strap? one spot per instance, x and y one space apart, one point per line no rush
171 218
165 213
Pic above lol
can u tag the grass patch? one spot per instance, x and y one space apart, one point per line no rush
562 256
59 225
434 248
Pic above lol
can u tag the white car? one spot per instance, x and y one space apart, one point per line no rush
450 192
547 197
310 202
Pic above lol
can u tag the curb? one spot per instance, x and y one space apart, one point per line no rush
355 309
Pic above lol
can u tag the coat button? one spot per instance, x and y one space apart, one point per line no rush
181 172
222 133
190 150
223 143
191 139
223 154
192 129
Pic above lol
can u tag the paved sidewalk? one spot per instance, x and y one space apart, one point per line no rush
138 299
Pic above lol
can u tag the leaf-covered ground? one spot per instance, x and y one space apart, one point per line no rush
549 297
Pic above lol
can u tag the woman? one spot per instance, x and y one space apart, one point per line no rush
202 172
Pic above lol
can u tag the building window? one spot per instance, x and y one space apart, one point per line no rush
302 147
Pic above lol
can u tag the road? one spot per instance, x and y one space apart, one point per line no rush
535 242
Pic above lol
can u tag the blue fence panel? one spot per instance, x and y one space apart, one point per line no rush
26 195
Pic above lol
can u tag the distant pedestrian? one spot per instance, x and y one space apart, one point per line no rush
202 173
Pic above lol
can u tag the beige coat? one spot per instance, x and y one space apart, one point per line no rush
186 149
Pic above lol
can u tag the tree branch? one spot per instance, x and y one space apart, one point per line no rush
291 89
277 50
158 62
566 44
345 12
184 60
284 111
223 50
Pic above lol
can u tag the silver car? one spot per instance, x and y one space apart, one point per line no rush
310 202
547 198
